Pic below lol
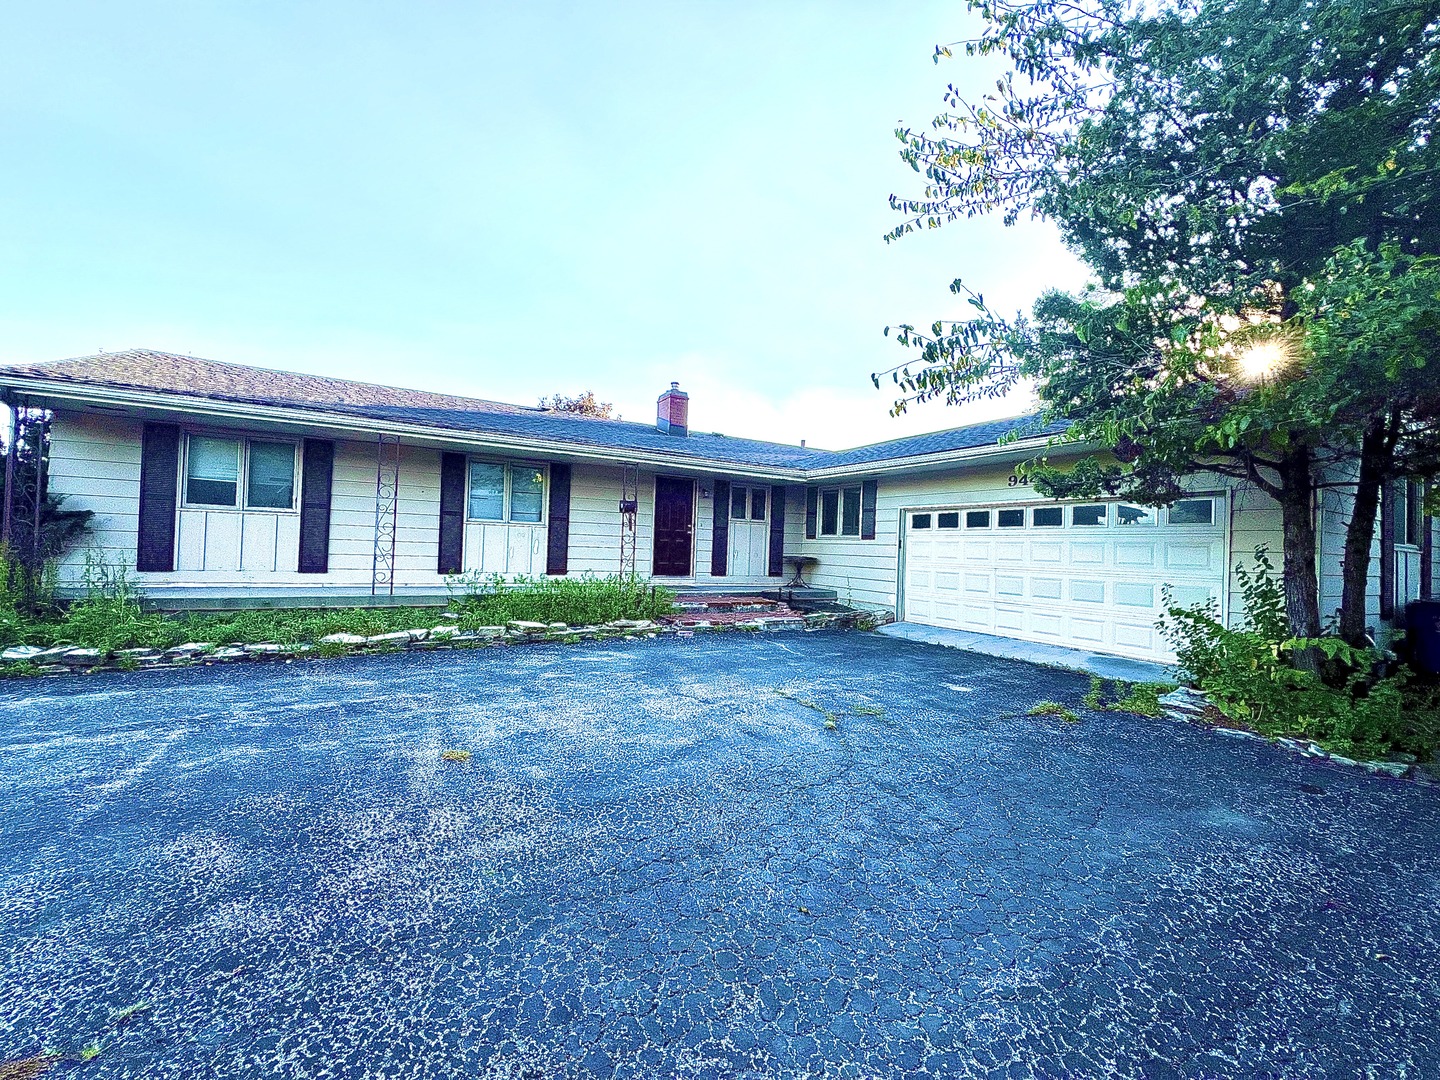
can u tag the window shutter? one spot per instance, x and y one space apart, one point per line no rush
812 511
452 514
777 530
557 555
1387 550
159 497
868 491
317 472
720 531
1427 547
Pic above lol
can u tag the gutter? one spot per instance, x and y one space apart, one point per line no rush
86 394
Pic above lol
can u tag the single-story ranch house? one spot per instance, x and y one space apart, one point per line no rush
216 481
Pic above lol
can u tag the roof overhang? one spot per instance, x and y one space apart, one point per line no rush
149 403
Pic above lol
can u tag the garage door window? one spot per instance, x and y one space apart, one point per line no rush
1130 514
977 519
1010 519
1048 517
1088 517
1193 512
919 521
949 521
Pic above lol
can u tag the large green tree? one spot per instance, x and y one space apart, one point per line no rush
1233 172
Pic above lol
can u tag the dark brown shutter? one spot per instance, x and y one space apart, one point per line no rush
868 491
720 531
1427 548
557 553
812 511
777 530
452 513
159 494
317 472
1387 550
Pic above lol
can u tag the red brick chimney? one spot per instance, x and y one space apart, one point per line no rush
672 411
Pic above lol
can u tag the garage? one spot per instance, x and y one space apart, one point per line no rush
1084 575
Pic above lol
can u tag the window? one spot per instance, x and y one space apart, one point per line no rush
1130 514
830 512
1089 516
950 521
1193 512
737 502
527 486
1047 517
840 512
1010 519
850 512
757 504
1409 513
218 470
514 492
919 521
977 519
271 479
487 491
212 472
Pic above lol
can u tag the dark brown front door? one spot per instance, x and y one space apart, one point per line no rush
674 526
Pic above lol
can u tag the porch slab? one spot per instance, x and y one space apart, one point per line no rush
1107 667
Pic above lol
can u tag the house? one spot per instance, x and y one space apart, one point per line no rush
214 482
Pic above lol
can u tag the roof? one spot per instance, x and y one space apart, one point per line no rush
192 377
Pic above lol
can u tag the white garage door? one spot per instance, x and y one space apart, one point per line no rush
1085 575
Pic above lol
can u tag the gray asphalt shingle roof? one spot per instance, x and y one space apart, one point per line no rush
161 372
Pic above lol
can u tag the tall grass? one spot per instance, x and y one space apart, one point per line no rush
110 616
578 601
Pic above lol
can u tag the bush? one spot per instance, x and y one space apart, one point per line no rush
1362 706
582 601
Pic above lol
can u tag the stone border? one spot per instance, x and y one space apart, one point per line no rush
74 660
1189 706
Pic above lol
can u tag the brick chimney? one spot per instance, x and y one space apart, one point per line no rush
672 411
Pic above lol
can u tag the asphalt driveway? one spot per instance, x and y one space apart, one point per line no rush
655 864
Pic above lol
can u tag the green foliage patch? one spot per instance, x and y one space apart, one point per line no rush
1361 705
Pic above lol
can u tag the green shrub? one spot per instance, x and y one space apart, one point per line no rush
582 601
1363 706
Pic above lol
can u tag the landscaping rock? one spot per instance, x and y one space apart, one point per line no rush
523 627
343 639
190 648
229 652
1184 701
1397 769
630 624
265 649
395 637
417 634
83 657
21 652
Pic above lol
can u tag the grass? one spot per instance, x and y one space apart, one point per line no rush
455 755
832 719
115 620
1053 708
1142 699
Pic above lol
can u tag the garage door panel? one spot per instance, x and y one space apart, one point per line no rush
1095 587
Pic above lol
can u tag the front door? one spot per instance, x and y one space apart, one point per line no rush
674 526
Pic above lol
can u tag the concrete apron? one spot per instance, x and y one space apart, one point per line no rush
1107 667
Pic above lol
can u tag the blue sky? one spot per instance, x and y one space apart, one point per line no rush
505 200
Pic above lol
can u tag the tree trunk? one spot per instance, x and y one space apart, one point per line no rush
1302 590
1360 533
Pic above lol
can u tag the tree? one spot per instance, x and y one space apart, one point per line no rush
1213 163
584 404
28 546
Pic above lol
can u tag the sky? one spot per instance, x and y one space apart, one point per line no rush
503 200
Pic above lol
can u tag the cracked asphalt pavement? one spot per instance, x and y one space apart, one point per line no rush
660 861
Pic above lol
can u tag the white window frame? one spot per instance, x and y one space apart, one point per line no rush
749 490
507 507
839 491
242 480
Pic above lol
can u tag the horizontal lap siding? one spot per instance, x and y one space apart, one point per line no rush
95 465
